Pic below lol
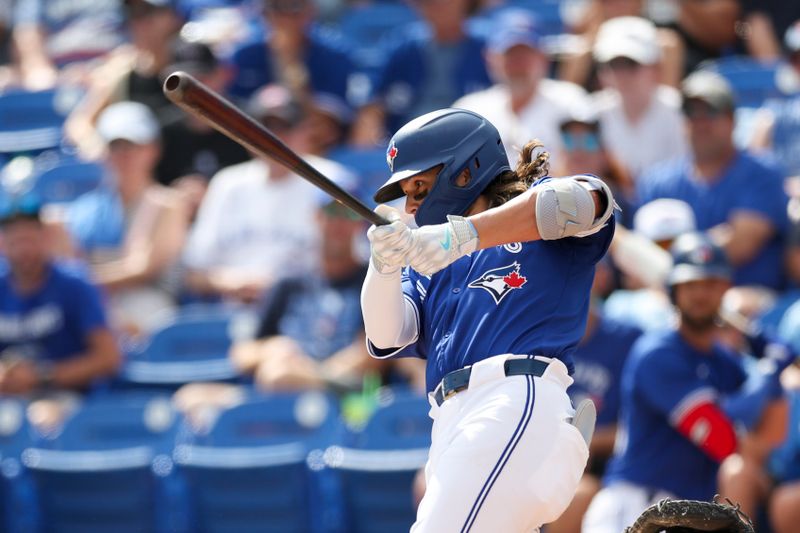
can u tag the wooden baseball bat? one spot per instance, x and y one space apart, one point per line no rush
199 100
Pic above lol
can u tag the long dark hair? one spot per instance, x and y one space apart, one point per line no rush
534 163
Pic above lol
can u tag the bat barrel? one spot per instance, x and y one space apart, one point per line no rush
198 100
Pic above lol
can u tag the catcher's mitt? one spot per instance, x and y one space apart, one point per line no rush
689 515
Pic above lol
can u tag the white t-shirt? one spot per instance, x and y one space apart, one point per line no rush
539 119
658 136
256 225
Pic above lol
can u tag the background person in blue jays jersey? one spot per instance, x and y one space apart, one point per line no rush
687 401
496 303
53 332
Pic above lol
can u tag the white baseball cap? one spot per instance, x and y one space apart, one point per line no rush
633 37
664 219
129 121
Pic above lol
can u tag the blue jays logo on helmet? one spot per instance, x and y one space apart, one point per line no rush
498 282
391 153
457 140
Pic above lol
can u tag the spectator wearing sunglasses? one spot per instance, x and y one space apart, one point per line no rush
55 342
586 153
640 118
738 199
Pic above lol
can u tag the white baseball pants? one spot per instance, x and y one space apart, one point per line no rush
504 456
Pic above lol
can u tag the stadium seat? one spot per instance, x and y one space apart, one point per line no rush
191 346
378 470
32 121
67 180
108 468
17 512
752 81
249 472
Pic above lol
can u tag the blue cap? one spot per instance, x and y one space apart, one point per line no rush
696 257
513 27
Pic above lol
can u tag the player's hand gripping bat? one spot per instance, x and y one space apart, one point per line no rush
199 100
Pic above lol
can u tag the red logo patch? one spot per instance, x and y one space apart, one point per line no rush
391 153
515 281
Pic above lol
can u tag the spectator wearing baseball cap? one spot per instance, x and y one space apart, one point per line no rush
131 229
736 197
256 225
524 103
640 117
585 153
55 341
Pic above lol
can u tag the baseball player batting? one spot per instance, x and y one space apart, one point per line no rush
495 297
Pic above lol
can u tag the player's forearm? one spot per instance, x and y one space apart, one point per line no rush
388 319
514 221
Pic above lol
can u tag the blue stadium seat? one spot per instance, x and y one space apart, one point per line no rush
107 469
249 472
752 81
67 180
17 512
377 472
191 346
368 27
32 121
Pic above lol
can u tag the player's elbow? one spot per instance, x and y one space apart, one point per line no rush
577 206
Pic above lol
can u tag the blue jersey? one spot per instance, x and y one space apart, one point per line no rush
52 323
748 184
662 379
521 298
326 58
786 132
598 366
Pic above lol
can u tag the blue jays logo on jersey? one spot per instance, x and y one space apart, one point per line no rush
500 281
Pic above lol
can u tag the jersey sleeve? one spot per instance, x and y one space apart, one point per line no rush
412 286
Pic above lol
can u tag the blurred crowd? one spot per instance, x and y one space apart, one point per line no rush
134 214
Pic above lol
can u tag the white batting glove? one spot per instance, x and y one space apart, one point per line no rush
389 244
437 246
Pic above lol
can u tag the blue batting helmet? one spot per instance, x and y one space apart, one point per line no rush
695 257
456 139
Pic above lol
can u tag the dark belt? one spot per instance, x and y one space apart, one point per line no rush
458 380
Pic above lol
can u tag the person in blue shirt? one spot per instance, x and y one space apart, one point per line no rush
297 53
429 67
686 399
53 330
738 199
495 298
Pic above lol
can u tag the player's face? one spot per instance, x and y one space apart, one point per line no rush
698 301
416 188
